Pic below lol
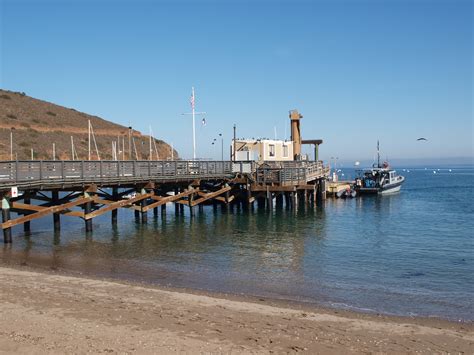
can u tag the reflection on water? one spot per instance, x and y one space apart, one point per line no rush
409 253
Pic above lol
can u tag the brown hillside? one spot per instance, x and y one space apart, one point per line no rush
38 124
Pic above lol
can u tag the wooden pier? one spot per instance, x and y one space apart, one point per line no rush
88 189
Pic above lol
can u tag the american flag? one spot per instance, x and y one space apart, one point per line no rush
191 100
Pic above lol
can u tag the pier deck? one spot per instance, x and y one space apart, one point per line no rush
87 189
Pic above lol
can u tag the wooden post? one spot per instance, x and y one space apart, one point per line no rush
87 210
7 232
27 225
144 214
293 199
176 205
248 196
287 200
225 205
323 188
56 216
115 211
190 202
269 198
155 209
279 200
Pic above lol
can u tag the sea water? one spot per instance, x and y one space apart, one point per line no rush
411 253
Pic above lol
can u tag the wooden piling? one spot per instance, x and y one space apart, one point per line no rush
87 210
27 224
190 202
114 211
144 214
7 232
176 205
56 216
269 198
279 200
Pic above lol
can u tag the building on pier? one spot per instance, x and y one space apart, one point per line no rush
262 150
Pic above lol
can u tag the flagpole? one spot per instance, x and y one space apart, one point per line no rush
194 126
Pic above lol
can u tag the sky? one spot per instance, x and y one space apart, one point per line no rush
358 71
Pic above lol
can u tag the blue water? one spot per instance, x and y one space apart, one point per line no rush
411 253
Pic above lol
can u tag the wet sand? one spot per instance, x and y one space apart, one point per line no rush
55 313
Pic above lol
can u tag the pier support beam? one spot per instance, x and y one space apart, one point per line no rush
190 202
143 203
279 200
294 199
176 205
56 216
87 210
7 232
27 224
269 199
115 211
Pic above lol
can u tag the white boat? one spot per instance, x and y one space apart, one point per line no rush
380 179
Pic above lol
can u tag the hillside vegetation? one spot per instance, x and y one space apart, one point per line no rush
37 124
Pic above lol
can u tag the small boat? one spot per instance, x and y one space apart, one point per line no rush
381 179
346 193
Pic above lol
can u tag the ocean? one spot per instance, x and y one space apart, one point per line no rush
410 253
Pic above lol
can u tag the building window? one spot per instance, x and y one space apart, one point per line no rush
285 151
272 150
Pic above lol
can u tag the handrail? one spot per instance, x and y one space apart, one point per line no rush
99 171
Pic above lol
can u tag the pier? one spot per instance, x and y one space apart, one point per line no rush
87 189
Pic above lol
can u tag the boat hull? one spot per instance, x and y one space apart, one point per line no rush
385 190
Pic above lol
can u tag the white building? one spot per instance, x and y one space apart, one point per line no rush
262 149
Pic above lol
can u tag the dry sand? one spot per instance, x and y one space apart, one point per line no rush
51 313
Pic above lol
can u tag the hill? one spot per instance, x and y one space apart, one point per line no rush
37 124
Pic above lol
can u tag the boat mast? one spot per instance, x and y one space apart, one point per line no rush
378 154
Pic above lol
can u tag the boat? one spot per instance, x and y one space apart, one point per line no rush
346 193
380 179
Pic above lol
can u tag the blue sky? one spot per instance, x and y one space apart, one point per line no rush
357 70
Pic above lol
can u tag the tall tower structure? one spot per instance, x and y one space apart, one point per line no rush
295 118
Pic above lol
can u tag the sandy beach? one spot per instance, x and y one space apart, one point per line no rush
55 313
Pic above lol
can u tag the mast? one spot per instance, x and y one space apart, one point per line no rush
89 139
378 154
194 124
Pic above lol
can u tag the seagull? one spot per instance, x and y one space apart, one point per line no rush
422 139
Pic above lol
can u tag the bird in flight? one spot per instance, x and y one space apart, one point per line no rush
422 139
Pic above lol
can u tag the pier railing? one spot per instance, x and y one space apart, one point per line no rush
50 171
290 172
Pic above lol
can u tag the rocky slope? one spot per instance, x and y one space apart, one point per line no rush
37 124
